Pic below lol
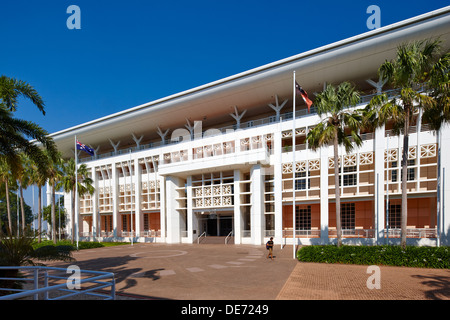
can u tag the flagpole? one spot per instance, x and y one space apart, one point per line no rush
76 192
293 166
131 199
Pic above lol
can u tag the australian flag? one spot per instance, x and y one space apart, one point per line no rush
85 148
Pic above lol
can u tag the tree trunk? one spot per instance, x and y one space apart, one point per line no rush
22 208
73 214
39 214
8 208
404 180
337 190
53 214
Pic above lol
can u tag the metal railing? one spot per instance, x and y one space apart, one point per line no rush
411 233
353 233
228 237
60 283
287 233
364 99
151 233
200 236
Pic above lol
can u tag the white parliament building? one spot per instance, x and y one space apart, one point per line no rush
217 161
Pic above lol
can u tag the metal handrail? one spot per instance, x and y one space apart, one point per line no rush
202 235
364 99
411 232
228 236
97 280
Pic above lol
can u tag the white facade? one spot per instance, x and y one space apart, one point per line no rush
227 171
236 183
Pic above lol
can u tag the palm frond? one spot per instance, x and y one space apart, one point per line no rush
11 89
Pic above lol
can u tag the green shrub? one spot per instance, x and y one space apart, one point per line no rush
89 245
421 257
81 244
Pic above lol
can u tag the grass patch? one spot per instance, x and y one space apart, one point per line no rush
418 257
81 244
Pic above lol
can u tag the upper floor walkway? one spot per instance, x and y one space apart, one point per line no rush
198 150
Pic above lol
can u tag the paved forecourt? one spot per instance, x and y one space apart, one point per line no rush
242 272
192 271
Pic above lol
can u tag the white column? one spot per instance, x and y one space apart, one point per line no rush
257 208
444 223
115 198
68 207
137 177
278 184
237 227
173 216
418 158
324 219
192 222
162 208
379 147
95 228
379 200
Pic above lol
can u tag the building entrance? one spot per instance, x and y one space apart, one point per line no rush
216 225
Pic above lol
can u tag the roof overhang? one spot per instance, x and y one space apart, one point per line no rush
355 59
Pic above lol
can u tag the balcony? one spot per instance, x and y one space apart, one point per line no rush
223 130
203 156
244 126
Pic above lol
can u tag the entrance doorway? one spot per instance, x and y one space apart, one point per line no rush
216 225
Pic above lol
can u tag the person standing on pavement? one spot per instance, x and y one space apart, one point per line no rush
269 246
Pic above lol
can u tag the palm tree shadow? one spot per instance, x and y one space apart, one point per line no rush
439 286
130 280
118 266
123 274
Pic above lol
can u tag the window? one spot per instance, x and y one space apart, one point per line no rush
301 181
146 222
270 207
395 216
107 223
394 173
411 171
303 218
348 215
270 221
349 179
124 223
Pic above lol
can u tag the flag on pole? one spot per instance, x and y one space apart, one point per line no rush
85 148
304 95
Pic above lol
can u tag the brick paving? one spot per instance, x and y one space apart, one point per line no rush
313 281
242 272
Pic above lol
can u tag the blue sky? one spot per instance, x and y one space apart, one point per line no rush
132 52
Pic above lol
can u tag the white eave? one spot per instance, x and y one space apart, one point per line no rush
355 59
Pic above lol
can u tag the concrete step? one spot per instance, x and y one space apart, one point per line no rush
216 240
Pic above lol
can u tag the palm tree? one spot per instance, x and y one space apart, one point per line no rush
340 127
39 179
11 89
5 175
54 175
23 178
68 183
406 73
15 133
438 87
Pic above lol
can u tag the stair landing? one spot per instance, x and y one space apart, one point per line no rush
216 240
